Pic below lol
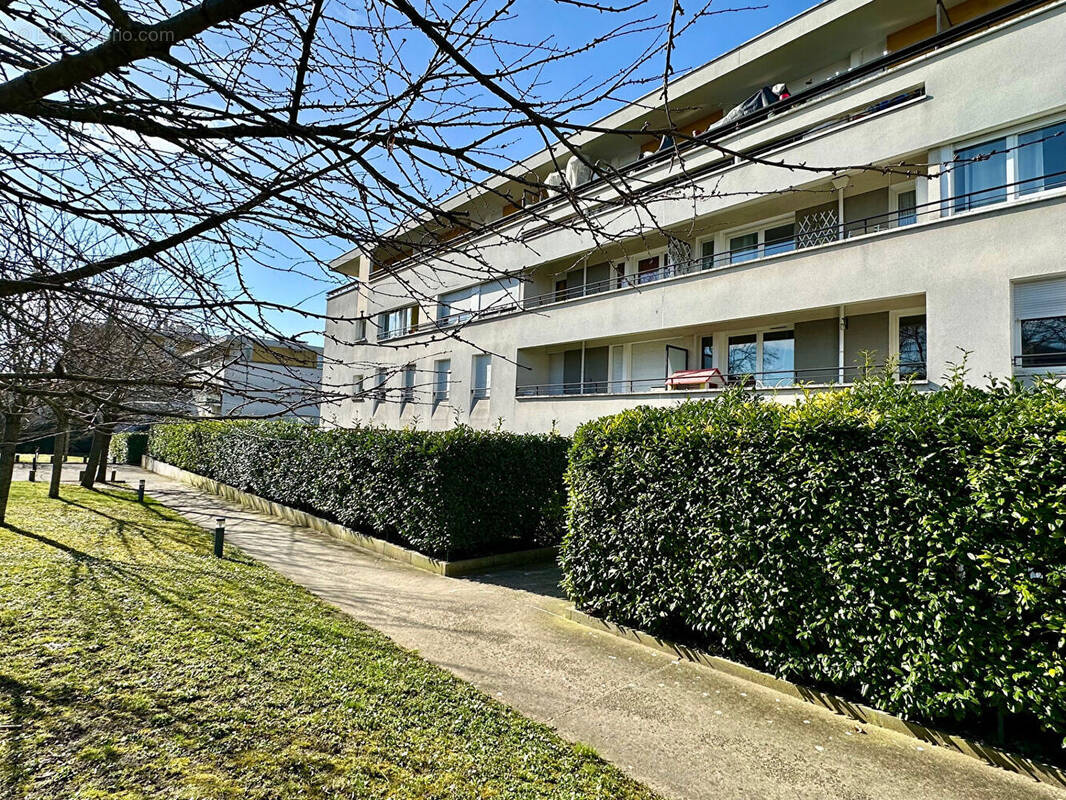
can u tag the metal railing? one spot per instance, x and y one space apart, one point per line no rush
815 237
767 380
1052 362
831 84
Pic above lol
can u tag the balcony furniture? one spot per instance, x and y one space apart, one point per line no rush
692 378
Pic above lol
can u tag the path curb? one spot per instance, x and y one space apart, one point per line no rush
1044 773
362 541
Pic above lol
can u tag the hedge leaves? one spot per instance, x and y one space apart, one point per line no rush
899 547
452 494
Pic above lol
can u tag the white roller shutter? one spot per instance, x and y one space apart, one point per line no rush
1039 299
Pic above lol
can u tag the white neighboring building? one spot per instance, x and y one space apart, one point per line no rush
252 377
768 276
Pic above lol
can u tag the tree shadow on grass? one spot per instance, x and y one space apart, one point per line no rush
154 581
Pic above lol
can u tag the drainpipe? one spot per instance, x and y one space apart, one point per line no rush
840 184
843 324
582 368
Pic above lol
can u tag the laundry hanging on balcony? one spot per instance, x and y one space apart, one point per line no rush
761 99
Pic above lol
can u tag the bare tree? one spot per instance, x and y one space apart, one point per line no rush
190 146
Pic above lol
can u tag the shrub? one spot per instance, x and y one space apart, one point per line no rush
451 494
127 448
898 547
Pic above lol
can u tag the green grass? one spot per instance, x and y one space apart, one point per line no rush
45 459
133 664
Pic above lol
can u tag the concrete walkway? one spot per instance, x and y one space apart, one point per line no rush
684 730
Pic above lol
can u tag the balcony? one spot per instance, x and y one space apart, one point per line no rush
817 348
824 229
827 377
822 89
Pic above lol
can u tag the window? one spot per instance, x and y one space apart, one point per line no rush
707 254
1042 159
743 248
560 291
397 322
620 276
647 269
410 376
781 239
1040 314
379 393
482 376
778 358
707 352
459 306
907 207
758 244
1044 342
771 355
1013 165
442 380
357 388
980 175
912 347
360 329
743 355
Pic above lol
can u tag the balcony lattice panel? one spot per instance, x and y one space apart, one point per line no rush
821 227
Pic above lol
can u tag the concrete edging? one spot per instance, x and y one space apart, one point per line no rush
369 543
1044 773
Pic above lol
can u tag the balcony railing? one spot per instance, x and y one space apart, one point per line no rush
801 240
1049 362
771 379
832 84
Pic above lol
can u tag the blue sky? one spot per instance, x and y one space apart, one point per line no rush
708 39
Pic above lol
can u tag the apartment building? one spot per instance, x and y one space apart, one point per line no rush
251 377
735 269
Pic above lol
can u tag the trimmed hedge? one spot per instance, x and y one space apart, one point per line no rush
127 448
453 494
898 547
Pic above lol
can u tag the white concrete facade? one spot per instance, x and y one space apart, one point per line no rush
246 378
799 286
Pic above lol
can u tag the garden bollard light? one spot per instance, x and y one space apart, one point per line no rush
140 491
220 535
33 476
114 473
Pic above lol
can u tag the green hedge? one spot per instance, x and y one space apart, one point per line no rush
902 548
452 494
127 448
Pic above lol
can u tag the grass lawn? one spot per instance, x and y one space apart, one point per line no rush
45 459
133 664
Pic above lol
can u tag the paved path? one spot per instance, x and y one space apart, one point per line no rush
683 729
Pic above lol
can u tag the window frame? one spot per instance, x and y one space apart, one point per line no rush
478 392
723 238
721 353
1016 328
439 396
1010 135
894 317
895 191
408 381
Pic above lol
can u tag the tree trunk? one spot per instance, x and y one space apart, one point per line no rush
12 426
105 453
88 476
59 452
